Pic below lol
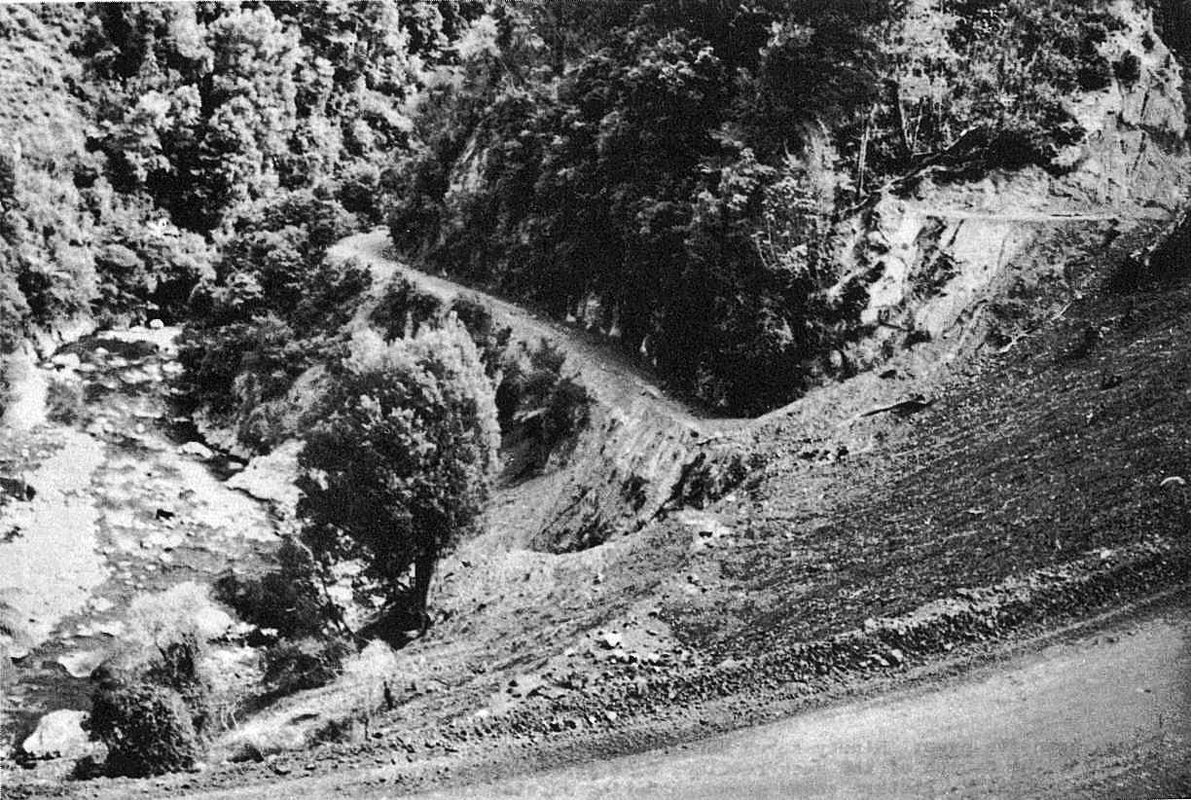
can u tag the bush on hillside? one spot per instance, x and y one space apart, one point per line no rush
14 312
305 663
405 309
147 729
177 667
539 405
289 599
64 401
491 340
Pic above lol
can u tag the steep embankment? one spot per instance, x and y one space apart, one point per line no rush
674 561
960 262
1015 458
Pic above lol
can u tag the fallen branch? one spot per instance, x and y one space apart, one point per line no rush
903 408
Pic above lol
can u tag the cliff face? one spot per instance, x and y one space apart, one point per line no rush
957 262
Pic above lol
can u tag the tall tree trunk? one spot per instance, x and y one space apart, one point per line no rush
423 572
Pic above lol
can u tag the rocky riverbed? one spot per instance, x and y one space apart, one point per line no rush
113 523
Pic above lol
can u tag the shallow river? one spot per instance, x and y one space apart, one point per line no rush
119 513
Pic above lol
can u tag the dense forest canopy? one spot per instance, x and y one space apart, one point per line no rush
669 171
181 124
680 164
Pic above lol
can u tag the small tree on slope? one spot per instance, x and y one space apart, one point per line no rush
401 466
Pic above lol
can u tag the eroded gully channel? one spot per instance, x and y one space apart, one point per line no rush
121 509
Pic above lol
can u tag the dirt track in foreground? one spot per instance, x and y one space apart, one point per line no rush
1103 714
1107 714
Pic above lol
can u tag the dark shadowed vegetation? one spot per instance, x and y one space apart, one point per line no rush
670 172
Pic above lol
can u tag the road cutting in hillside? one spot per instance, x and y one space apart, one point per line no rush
605 370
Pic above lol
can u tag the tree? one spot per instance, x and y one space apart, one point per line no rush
401 466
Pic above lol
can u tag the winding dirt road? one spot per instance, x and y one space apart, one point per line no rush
604 369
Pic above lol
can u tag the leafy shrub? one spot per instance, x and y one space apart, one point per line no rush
64 401
1128 69
177 668
405 309
538 404
305 663
14 311
5 386
568 410
147 729
491 340
288 599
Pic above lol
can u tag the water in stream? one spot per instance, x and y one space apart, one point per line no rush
119 513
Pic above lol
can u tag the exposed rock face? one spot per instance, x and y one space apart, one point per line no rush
196 449
934 264
82 663
622 472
